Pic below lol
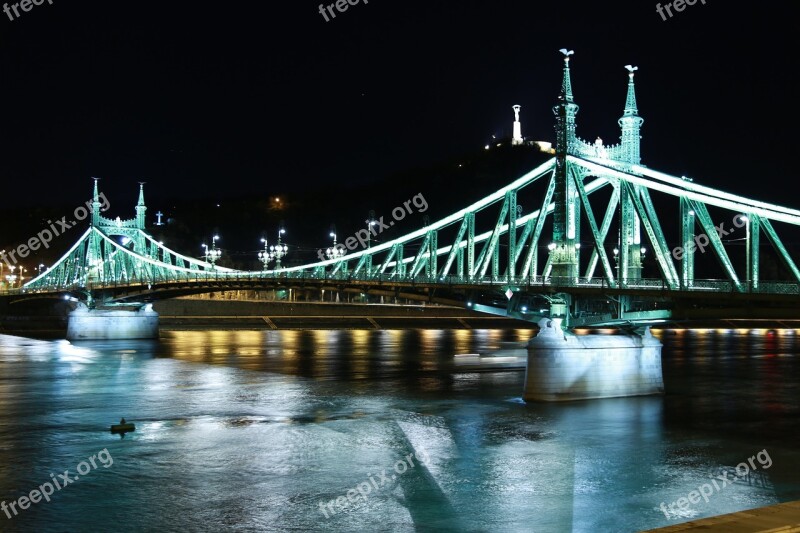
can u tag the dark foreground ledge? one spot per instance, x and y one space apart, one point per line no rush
781 518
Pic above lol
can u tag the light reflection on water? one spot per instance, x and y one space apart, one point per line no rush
251 430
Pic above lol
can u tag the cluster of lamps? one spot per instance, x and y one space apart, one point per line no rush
212 254
274 252
12 278
335 252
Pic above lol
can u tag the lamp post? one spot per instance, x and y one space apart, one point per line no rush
11 278
334 252
41 267
643 251
212 255
278 252
616 263
370 222
264 256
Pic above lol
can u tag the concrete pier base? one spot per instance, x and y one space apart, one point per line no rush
563 366
94 324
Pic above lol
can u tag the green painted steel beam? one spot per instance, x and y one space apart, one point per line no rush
704 218
488 253
597 236
753 251
530 268
685 252
604 229
783 254
456 248
662 255
511 199
663 247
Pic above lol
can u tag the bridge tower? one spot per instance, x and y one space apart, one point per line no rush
563 250
93 252
630 238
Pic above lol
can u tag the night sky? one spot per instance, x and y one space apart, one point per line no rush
224 99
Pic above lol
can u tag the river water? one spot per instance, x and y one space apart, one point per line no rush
385 431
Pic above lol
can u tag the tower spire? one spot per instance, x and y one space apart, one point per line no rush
631 122
140 208
566 110
566 82
630 101
96 204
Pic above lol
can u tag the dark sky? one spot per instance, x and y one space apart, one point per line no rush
218 99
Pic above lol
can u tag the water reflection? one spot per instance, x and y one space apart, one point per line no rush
412 354
253 430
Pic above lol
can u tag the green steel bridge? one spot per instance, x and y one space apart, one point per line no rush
491 255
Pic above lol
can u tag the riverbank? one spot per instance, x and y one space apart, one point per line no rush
180 314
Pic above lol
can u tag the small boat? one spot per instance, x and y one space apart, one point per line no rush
122 427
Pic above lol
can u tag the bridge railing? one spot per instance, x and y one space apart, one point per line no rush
221 279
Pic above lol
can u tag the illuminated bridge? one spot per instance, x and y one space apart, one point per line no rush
491 255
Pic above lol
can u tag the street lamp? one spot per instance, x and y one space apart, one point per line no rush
370 222
12 278
212 255
279 251
746 221
264 256
334 252
40 268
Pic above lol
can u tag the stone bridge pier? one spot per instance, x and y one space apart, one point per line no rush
112 324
